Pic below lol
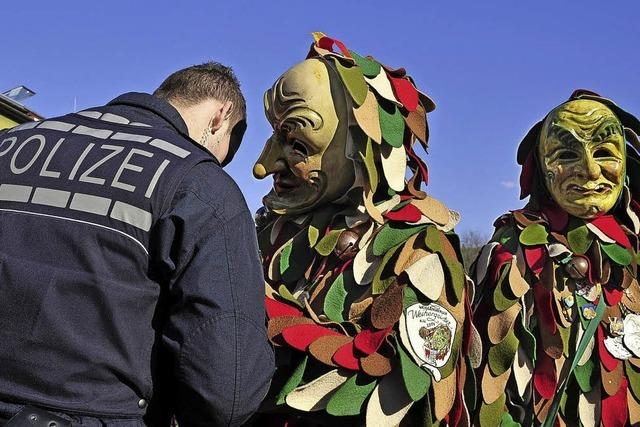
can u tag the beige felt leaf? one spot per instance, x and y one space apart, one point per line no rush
389 204
557 249
433 209
372 210
501 323
588 350
357 309
366 236
389 402
519 286
454 219
493 387
406 255
589 407
522 370
634 408
475 351
484 259
368 117
394 165
365 265
315 395
603 237
444 393
427 275
382 86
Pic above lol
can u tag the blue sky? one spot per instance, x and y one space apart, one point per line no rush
493 67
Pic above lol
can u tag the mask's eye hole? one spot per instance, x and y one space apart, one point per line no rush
567 155
602 153
299 147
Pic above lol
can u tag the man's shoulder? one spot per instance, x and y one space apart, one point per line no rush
210 184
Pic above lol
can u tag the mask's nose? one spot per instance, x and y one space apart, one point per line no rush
271 160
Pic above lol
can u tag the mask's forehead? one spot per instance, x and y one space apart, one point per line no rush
301 98
583 119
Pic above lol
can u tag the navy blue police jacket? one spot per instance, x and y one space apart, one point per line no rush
130 282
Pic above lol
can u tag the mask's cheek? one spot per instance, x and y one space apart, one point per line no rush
613 171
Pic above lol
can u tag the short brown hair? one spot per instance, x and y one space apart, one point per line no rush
197 83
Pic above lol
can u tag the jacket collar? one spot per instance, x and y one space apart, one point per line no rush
162 109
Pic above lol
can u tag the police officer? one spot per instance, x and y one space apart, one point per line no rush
130 282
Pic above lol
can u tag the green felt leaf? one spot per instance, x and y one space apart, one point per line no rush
391 123
334 300
283 291
634 379
432 239
350 397
293 381
565 333
326 245
391 192
509 240
390 236
507 421
368 67
378 284
456 275
410 297
370 166
284 257
584 375
313 233
354 81
579 239
534 234
416 380
501 355
617 253
500 301
491 415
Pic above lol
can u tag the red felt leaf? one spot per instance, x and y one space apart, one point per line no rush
612 294
609 226
536 257
407 213
279 309
544 375
301 336
544 307
345 357
526 176
405 92
326 43
500 257
614 408
608 361
368 341
556 217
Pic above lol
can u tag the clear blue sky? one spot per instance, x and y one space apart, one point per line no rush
492 67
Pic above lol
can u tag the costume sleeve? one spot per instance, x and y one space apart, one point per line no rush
215 328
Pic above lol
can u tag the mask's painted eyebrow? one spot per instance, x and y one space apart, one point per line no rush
610 126
565 136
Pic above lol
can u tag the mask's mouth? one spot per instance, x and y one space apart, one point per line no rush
589 190
285 183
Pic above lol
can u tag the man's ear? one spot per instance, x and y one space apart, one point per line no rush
222 114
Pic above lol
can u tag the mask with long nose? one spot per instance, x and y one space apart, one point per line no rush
582 157
307 109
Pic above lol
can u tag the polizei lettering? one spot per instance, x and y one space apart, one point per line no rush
126 168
